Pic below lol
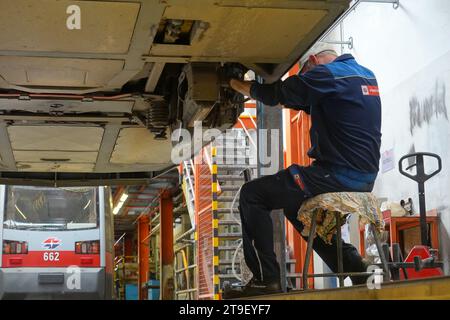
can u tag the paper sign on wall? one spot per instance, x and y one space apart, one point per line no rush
387 160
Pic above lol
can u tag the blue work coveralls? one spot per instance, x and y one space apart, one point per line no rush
343 101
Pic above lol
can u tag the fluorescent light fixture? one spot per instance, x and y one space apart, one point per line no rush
116 210
122 200
87 204
20 211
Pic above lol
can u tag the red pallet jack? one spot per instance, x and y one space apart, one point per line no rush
421 262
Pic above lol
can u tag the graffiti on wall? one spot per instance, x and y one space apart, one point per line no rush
423 110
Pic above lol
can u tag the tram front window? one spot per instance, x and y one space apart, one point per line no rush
59 209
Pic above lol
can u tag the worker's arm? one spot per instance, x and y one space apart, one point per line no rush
296 92
243 87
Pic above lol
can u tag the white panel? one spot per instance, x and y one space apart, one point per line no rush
137 145
55 138
59 72
40 25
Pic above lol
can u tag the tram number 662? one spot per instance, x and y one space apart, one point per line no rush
51 256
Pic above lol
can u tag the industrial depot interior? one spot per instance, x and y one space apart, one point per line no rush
123 148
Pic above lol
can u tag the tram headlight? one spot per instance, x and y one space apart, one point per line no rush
87 247
15 247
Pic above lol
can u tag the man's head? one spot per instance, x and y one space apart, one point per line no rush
321 55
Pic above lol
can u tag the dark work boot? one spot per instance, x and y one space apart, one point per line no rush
253 288
361 279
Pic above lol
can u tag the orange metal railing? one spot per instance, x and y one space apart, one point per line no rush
203 195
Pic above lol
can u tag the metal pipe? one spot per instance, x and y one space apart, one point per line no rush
186 266
312 232
139 207
155 230
208 160
190 231
403 265
188 174
340 260
395 3
349 43
156 217
149 206
253 121
380 252
120 238
149 235
333 274
183 247
247 133
192 266
119 260
186 291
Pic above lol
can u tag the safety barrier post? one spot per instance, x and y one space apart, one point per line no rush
215 226
143 255
166 241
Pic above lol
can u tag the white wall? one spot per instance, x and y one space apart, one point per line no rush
408 49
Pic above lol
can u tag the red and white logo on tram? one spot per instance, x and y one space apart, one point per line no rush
51 243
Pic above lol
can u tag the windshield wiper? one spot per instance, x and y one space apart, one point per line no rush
34 226
55 228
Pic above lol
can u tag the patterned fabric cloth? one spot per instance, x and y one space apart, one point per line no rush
327 205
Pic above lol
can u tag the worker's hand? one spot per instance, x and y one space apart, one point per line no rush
243 87
229 71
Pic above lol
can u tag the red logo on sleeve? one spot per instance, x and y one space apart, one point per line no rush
370 90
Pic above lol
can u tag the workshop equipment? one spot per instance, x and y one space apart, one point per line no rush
421 260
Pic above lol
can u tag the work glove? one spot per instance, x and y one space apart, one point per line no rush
228 72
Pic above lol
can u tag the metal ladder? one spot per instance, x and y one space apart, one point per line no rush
185 241
188 189
232 158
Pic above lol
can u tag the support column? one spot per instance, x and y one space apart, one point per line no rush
128 250
143 256
270 161
166 241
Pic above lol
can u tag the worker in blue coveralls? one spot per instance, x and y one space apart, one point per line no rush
342 99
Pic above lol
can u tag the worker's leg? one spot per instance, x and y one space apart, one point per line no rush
260 196
257 199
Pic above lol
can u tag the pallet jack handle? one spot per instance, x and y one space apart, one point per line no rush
420 177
